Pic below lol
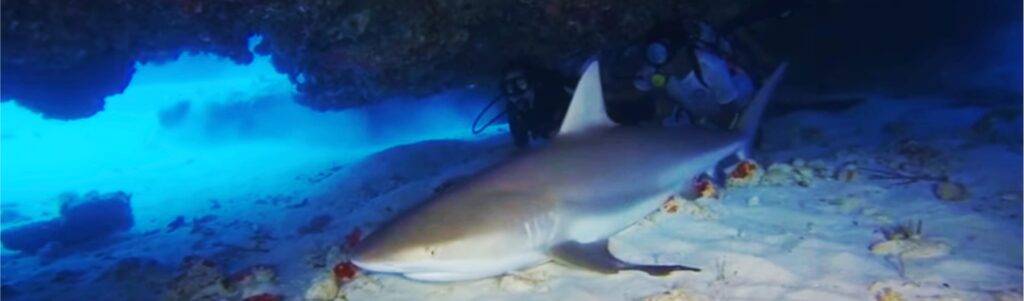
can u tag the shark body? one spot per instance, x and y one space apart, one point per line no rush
559 202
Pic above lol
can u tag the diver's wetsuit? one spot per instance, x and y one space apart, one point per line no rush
536 108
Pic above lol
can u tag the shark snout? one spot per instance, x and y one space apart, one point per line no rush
365 258
381 254
376 266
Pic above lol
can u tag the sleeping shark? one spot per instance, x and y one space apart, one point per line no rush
561 202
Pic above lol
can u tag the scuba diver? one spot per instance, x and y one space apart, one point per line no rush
717 89
536 100
685 70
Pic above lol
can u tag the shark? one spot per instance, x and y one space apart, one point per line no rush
559 202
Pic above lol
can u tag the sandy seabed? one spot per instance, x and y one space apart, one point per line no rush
832 214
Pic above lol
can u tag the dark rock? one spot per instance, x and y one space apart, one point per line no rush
200 279
94 215
142 278
340 54
62 57
82 219
82 87
11 215
31 237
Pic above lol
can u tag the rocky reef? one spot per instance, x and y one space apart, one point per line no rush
63 57
83 219
339 53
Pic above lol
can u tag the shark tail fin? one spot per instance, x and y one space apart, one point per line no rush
751 118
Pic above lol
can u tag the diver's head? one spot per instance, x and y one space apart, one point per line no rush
518 88
657 53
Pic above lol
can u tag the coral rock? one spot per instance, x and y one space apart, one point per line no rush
201 279
83 219
255 280
778 174
706 189
323 289
913 248
345 271
888 294
670 205
745 173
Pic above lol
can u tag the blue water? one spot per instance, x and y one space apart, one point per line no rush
202 125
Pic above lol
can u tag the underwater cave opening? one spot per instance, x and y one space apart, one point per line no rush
204 126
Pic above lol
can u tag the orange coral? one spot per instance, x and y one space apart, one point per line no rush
706 189
744 170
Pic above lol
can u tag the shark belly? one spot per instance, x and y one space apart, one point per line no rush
506 242
476 269
458 270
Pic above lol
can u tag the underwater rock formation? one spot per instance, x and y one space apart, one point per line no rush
63 57
86 218
339 53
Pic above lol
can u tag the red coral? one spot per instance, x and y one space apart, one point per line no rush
744 170
345 271
706 189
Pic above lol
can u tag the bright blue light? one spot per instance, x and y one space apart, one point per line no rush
239 131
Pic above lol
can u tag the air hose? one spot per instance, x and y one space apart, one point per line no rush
476 121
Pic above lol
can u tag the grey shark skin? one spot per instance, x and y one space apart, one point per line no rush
559 202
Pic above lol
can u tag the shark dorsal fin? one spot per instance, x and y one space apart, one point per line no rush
586 111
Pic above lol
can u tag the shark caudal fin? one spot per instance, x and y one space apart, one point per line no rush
586 111
751 117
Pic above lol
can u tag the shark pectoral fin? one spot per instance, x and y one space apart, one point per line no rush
596 257
592 256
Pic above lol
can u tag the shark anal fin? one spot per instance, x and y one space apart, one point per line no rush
595 256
